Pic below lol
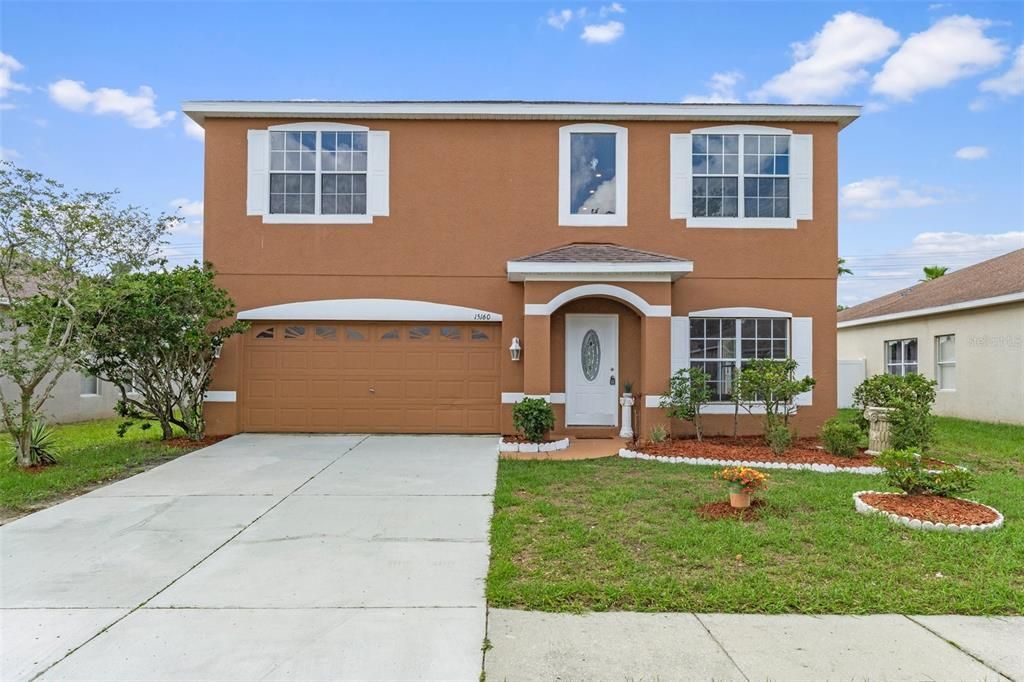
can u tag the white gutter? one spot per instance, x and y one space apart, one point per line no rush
198 111
936 310
519 271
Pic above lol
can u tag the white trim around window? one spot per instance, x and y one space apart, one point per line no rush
375 171
799 177
566 217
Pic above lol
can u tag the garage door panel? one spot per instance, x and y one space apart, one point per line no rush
387 377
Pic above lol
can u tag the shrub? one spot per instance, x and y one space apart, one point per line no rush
533 417
742 479
903 470
912 396
42 443
658 433
778 436
773 385
840 437
688 392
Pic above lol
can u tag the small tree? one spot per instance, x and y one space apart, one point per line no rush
773 385
157 341
54 245
688 392
934 272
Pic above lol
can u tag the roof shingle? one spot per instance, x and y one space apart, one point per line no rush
995 277
579 252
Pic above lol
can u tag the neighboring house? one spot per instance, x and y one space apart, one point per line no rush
421 266
76 397
964 329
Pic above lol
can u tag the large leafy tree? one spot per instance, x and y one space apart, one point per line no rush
157 340
55 245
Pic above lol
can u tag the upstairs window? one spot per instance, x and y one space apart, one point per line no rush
901 357
592 175
722 190
737 176
318 173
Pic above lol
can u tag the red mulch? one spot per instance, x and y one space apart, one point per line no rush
182 442
753 449
723 510
932 508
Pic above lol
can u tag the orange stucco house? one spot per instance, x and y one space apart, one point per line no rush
421 266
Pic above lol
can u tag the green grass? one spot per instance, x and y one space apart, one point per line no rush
89 453
618 534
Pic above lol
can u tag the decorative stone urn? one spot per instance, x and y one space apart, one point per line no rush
627 416
879 439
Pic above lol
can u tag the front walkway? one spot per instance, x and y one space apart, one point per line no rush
684 646
277 557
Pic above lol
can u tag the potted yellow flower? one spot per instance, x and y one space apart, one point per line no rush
742 482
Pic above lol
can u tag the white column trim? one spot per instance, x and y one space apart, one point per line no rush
586 290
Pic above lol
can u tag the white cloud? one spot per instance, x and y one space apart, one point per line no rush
187 207
8 66
614 8
882 273
875 107
936 6
8 154
559 19
861 199
139 109
600 34
722 88
953 48
971 153
1010 83
833 60
193 129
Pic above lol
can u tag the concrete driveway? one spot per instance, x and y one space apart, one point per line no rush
261 557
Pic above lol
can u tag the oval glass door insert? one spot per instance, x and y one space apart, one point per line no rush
590 355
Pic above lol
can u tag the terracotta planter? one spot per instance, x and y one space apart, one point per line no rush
739 500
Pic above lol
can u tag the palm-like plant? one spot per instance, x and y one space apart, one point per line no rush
842 269
934 272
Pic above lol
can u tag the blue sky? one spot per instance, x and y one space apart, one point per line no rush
932 173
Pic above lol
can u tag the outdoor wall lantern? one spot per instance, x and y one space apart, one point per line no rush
516 349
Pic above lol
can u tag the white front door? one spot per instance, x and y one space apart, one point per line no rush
591 370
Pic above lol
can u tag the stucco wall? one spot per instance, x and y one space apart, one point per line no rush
989 358
467 196
66 404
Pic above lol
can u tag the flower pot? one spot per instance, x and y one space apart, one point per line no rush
739 500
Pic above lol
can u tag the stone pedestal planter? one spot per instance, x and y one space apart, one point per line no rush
879 439
626 401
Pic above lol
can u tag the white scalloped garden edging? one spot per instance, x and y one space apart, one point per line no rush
505 446
917 524
707 461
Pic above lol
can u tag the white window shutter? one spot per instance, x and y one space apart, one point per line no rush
803 351
679 342
681 177
378 173
258 194
801 176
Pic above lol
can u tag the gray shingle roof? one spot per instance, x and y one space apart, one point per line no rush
597 253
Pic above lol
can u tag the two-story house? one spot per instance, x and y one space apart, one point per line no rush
421 266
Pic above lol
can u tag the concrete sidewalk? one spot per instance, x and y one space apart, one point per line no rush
685 646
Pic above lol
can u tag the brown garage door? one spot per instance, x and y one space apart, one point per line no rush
371 377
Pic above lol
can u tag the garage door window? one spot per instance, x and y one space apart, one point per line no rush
327 333
479 335
265 333
353 334
417 333
451 333
294 332
389 335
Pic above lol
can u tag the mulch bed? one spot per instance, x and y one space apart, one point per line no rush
182 442
723 510
753 449
932 508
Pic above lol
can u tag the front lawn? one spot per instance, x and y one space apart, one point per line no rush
90 453
618 534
